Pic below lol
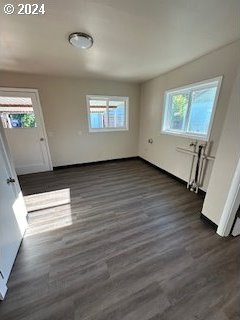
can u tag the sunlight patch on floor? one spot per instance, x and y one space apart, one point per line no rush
48 211
19 210
48 199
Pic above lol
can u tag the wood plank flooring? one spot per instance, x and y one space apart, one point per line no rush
120 241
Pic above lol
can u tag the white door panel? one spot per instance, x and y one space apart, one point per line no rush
27 150
13 214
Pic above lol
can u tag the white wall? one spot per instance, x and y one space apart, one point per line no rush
65 113
227 158
163 151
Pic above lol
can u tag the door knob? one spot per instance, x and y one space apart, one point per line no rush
10 180
41 139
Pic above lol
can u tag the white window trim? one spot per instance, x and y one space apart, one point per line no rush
204 84
117 98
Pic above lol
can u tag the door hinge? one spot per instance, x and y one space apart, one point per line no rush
10 180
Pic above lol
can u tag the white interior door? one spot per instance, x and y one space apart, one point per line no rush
13 215
24 128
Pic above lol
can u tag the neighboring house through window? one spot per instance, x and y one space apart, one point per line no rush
107 113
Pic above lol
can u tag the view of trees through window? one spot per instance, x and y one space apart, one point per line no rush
26 120
179 108
18 120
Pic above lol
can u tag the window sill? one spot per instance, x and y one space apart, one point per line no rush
107 130
186 135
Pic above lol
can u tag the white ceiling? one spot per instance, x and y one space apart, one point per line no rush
134 40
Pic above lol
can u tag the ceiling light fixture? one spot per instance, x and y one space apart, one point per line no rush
81 40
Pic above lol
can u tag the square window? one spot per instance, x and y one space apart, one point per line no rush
107 113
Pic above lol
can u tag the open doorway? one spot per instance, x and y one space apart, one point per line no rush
22 120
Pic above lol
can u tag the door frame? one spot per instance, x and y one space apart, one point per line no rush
5 150
40 113
231 205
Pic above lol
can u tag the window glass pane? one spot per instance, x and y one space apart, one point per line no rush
17 112
98 114
189 110
117 114
107 113
177 110
201 110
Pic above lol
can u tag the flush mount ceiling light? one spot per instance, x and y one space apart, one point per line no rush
81 40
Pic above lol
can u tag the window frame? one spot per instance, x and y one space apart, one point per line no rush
194 86
108 98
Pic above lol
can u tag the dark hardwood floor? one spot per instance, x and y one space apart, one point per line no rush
120 241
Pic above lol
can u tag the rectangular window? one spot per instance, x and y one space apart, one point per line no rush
107 113
17 113
189 111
